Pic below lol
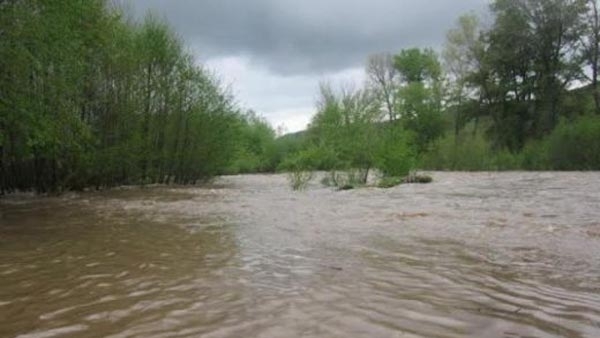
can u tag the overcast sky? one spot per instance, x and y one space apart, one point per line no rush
274 53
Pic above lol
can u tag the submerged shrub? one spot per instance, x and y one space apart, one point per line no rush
389 182
346 180
299 179
395 156
416 178
299 169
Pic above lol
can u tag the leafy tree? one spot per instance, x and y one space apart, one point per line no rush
383 80
591 47
532 61
256 148
462 59
395 156
90 99
420 95
345 123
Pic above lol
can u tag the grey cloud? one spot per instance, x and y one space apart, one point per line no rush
308 36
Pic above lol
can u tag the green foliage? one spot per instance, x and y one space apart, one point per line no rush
412 178
395 156
299 168
417 65
347 179
257 150
389 182
467 153
302 160
503 90
345 127
462 56
575 146
531 58
572 145
313 158
299 179
420 95
534 155
91 99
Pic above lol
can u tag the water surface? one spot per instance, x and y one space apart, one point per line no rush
470 255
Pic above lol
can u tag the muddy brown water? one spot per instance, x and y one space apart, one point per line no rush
470 255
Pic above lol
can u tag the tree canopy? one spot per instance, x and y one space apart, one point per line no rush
91 98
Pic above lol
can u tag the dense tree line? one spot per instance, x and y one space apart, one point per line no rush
521 68
511 93
90 98
530 78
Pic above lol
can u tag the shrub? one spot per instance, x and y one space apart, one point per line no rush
299 179
415 178
534 156
345 180
389 182
395 156
299 169
575 145
470 152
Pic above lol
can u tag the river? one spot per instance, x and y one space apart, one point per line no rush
470 255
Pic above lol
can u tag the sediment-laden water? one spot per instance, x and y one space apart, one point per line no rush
470 255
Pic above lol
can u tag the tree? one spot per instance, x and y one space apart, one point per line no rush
420 95
383 80
462 59
532 60
89 99
256 149
346 123
591 47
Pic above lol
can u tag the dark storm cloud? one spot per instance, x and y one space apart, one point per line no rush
296 36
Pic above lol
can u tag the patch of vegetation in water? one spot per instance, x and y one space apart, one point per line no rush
423 179
390 182
346 187
345 180
299 179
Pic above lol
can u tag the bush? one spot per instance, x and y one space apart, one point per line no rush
572 145
389 182
534 156
299 168
575 145
345 180
314 158
415 178
468 153
299 179
504 160
395 156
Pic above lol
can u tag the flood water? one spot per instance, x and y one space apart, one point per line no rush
470 255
